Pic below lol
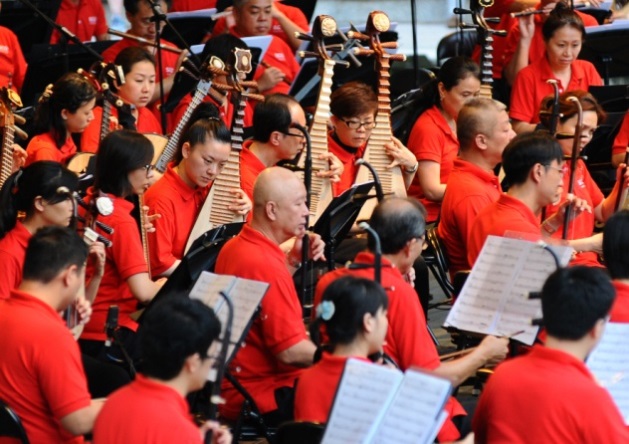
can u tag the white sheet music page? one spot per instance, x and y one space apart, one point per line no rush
415 414
363 395
609 362
494 299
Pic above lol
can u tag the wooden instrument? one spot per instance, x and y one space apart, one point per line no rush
8 100
391 179
214 211
145 243
321 192
485 40
573 163
622 201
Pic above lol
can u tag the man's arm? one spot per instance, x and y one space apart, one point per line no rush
81 421
299 355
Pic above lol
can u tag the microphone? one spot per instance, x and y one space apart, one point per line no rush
376 179
111 324
377 253
158 14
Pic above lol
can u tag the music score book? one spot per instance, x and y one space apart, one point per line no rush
246 296
495 297
377 404
609 362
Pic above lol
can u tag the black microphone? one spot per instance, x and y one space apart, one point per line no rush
376 179
158 14
111 324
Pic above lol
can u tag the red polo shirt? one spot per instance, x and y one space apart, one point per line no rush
12 252
85 20
278 326
12 62
179 206
250 168
432 139
506 214
546 396
620 309
41 373
348 159
124 259
470 189
622 138
191 5
530 87
165 416
43 147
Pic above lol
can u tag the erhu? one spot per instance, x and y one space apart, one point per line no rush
573 163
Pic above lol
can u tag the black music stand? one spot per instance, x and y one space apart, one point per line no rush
29 27
606 47
192 26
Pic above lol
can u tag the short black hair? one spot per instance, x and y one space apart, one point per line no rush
397 221
272 115
527 150
352 100
616 245
202 130
174 329
475 118
50 251
120 153
559 17
574 299
132 55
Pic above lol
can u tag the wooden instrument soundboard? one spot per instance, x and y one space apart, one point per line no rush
8 100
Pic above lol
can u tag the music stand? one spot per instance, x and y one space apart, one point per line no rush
606 48
338 218
193 26
29 27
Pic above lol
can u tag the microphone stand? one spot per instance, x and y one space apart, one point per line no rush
377 253
376 179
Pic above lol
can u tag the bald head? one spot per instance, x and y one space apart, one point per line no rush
397 220
274 184
478 116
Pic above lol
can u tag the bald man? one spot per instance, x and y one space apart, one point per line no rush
277 346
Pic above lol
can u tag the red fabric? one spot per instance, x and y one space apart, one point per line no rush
470 189
583 225
250 168
278 326
43 147
530 87
124 259
620 309
191 5
165 412
506 214
621 142
226 113
85 20
12 252
146 123
408 341
169 59
179 206
293 13
12 62
432 139
350 169
546 396
41 373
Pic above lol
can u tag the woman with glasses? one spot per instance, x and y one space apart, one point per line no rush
354 106
433 138
123 169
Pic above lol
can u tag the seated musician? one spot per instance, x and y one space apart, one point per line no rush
277 347
615 247
64 108
400 224
179 195
533 164
139 15
563 33
549 395
278 68
433 137
41 375
123 169
483 130
274 140
12 63
83 18
286 20
176 340
138 67
354 106
584 186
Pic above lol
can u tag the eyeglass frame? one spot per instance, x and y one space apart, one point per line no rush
360 124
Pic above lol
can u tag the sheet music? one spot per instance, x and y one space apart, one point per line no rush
415 414
609 362
363 394
494 299
245 295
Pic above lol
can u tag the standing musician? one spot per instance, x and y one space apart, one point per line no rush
176 340
123 169
433 137
278 68
63 109
83 18
575 304
179 195
400 225
138 67
41 375
277 346
615 247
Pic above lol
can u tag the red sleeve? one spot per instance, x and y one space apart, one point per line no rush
41 150
523 96
294 14
622 138
19 64
220 27
466 214
127 251
426 140
10 274
90 139
161 241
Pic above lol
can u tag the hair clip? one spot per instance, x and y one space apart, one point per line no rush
213 119
47 93
104 205
325 310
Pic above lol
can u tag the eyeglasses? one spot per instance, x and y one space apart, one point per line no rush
148 169
301 136
355 124
560 169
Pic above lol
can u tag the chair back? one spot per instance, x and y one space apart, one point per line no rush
458 43
299 432
437 261
10 424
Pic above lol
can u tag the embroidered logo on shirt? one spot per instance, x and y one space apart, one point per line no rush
4 49
92 20
280 56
